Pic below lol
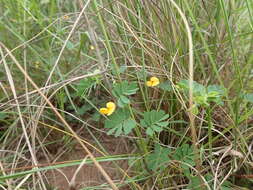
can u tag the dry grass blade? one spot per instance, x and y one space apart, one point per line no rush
73 179
66 41
22 182
109 180
62 83
191 72
12 85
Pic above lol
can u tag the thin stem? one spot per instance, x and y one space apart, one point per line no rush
191 74
210 126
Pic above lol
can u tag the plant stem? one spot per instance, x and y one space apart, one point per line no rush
210 126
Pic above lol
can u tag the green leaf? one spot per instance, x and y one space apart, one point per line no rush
157 129
183 84
195 183
165 116
120 103
215 93
159 158
122 69
124 99
163 124
122 90
120 123
202 95
142 74
70 45
125 88
96 116
184 154
3 115
198 89
154 121
118 130
111 131
150 131
201 100
84 85
226 185
166 86
129 125
82 110
248 97
216 89
195 109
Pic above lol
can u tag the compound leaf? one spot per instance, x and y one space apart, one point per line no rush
120 123
122 90
159 158
154 121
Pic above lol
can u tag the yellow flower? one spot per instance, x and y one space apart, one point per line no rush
37 64
65 17
110 108
153 81
92 47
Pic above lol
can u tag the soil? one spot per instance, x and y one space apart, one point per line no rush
89 175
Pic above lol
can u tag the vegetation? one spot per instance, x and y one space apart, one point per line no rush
171 80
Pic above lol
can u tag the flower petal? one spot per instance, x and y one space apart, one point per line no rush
149 83
155 81
111 107
103 110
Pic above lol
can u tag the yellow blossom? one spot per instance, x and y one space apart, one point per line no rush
110 108
65 17
92 47
37 64
153 81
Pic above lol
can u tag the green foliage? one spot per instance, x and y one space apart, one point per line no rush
226 185
166 86
122 90
203 95
154 121
78 101
120 70
83 109
3 115
3 122
84 85
198 89
215 94
184 154
120 122
159 158
248 97
95 116
197 184
84 42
